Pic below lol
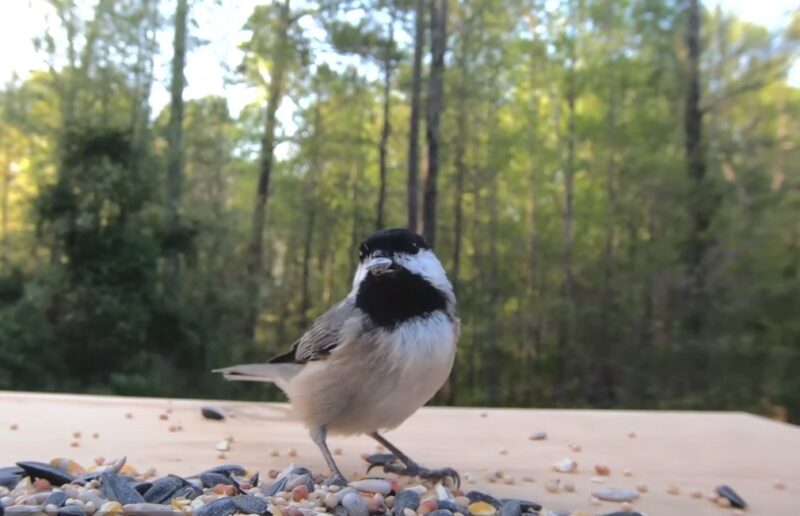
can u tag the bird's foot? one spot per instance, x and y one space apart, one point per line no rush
391 464
336 479
377 460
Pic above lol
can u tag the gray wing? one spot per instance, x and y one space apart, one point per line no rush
322 338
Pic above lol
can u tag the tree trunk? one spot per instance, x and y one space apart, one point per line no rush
328 273
477 286
175 137
449 391
7 178
611 169
602 387
460 147
255 261
305 301
146 48
69 18
494 351
387 125
568 288
701 205
355 176
494 335
533 270
67 86
413 132
435 100
311 202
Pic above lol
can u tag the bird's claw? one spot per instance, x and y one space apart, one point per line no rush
443 474
392 464
337 480
381 460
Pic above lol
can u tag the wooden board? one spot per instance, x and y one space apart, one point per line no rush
690 450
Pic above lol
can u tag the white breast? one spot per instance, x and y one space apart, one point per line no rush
422 351
422 340
376 382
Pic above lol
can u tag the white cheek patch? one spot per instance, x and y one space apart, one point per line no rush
425 264
361 273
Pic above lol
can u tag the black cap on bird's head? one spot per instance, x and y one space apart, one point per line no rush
391 251
388 242
383 251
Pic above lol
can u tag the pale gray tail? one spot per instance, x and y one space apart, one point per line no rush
279 374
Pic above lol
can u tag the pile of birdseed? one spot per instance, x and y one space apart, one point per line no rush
64 487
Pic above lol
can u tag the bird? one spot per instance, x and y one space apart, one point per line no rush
372 360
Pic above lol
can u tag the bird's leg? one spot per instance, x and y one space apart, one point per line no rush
318 435
389 463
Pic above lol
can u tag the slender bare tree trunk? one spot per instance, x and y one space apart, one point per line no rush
7 178
494 333
435 105
255 260
146 48
611 167
783 136
327 289
569 190
478 345
175 139
532 267
287 294
611 195
139 79
86 59
460 147
67 86
413 132
355 175
602 388
448 394
568 282
386 131
701 206
305 300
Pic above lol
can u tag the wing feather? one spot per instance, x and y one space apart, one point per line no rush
323 336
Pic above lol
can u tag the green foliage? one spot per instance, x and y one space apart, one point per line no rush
83 296
102 305
265 48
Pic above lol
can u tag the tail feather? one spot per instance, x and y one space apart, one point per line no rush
279 374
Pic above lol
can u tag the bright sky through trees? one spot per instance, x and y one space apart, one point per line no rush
219 26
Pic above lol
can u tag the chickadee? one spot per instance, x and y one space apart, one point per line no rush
372 360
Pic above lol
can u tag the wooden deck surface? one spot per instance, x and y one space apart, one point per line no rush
689 450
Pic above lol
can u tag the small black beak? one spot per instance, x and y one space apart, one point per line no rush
380 262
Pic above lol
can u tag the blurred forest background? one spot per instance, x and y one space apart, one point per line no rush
613 186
